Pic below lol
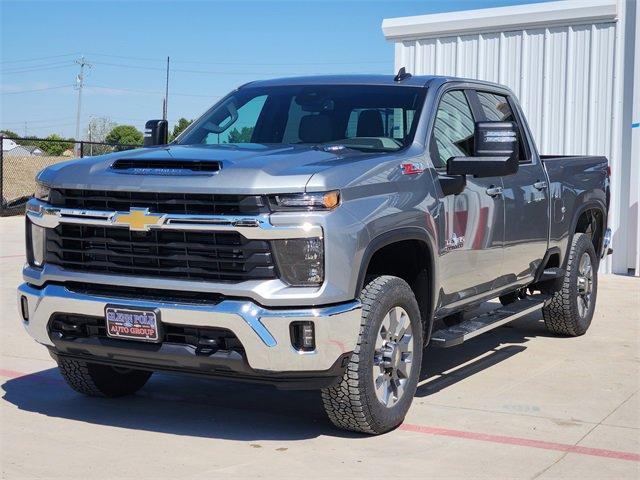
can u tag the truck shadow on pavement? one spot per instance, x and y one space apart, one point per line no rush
200 407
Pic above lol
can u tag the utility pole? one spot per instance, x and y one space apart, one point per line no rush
79 84
165 104
25 129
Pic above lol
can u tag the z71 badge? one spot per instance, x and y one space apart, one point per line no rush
454 243
412 168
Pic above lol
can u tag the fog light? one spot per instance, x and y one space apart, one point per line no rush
24 308
303 336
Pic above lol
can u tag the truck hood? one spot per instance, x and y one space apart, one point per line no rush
253 168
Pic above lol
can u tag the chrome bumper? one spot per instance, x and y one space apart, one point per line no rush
264 333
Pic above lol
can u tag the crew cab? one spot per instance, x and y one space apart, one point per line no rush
312 233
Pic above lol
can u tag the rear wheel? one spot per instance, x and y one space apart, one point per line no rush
571 309
98 380
382 375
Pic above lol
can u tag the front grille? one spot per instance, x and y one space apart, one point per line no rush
187 255
206 340
180 203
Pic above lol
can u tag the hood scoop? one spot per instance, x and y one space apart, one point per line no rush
166 167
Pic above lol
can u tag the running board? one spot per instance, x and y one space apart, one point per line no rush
457 334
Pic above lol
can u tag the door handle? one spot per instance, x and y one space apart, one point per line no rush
540 185
494 191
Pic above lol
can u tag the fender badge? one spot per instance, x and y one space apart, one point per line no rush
412 168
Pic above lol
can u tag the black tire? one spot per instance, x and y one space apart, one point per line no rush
353 404
98 380
563 315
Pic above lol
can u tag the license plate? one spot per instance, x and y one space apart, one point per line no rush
132 324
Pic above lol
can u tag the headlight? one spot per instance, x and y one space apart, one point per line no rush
306 201
300 261
42 192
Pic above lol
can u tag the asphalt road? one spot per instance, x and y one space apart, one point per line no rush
514 403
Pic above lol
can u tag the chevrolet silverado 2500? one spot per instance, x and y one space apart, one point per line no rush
312 233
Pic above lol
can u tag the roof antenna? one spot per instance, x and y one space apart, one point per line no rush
402 75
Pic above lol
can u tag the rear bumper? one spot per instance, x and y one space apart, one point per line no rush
264 334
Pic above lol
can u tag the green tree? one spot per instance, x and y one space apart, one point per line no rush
124 135
240 136
8 133
55 148
179 127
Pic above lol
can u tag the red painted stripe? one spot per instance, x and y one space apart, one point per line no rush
523 442
443 432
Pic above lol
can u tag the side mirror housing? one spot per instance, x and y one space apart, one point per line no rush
156 132
495 152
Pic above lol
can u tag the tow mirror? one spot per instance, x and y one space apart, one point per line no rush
156 132
495 152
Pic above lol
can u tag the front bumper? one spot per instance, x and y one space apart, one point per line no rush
264 333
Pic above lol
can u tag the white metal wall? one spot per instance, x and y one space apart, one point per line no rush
563 77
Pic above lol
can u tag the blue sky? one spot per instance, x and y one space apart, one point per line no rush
214 47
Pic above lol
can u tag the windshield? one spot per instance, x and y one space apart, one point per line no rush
363 117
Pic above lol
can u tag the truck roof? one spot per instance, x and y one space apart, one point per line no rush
362 79
415 81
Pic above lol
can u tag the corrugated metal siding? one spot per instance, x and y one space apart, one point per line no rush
563 77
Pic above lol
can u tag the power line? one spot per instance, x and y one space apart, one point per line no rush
36 69
39 58
37 89
40 120
151 92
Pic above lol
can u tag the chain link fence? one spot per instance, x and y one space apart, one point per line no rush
22 158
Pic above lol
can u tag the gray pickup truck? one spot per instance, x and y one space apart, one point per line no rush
312 233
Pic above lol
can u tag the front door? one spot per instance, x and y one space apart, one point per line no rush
471 224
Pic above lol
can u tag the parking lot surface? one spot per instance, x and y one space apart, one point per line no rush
514 403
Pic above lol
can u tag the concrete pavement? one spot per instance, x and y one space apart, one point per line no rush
514 403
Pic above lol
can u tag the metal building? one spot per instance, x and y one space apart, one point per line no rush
574 66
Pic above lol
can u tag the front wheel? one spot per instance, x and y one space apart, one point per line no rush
571 309
382 375
98 380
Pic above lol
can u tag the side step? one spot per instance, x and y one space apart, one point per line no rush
457 334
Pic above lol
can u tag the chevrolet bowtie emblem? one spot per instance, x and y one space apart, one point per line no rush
138 219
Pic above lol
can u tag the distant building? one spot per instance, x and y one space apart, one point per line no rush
574 66
18 151
11 147
8 144
34 150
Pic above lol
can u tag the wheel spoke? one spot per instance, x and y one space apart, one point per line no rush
405 343
400 388
393 318
403 324
405 366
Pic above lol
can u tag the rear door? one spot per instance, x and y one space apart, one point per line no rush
471 224
525 196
